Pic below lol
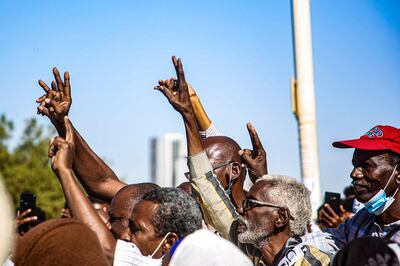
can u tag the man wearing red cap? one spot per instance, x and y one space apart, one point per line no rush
376 181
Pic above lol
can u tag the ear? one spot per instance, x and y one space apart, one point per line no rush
397 176
236 170
169 242
282 219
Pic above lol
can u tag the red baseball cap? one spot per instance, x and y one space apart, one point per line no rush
378 138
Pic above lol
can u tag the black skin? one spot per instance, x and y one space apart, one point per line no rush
23 219
122 205
220 150
119 213
186 187
330 219
273 220
371 172
256 159
61 152
144 232
95 176
179 99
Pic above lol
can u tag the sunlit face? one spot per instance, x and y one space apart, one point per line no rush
256 224
371 173
119 213
143 232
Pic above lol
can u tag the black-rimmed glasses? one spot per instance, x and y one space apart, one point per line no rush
252 203
187 174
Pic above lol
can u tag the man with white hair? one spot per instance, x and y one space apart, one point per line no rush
275 214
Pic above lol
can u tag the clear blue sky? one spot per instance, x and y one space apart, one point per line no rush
237 54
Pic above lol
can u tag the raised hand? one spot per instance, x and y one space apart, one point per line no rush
22 219
177 92
256 159
56 102
330 218
172 84
61 151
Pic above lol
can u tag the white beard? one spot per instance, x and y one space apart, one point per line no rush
257 238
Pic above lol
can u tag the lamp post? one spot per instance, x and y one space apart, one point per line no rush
303 98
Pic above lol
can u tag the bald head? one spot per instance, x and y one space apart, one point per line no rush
122 205
129 195
220 150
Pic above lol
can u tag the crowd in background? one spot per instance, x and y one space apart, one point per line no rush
210 219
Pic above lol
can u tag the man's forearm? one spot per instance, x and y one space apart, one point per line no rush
94 174
194 145
82 210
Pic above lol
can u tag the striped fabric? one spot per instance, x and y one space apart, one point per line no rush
218 210
211 131
296 253
361 224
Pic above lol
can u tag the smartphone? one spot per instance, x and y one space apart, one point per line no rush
333 199
27 201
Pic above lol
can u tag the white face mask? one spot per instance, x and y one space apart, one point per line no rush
379 203
137 259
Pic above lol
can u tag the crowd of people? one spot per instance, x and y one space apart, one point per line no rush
210 219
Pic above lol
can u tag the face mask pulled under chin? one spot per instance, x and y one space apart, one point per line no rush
140 260
379 203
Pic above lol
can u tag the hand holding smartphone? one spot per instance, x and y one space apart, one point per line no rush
333 199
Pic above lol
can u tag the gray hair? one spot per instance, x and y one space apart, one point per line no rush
286 192
177 212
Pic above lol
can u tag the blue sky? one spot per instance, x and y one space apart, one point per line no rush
237 54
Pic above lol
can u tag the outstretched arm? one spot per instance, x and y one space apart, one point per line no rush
217 208
94 174
178 96
61 152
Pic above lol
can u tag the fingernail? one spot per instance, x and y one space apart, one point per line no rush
47 100
240 152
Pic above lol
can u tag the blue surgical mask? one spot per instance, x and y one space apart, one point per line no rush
379 203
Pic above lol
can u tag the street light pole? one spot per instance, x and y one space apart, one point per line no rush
303 98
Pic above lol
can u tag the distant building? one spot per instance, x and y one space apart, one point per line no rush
168 159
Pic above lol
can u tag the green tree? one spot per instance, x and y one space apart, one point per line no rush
27 167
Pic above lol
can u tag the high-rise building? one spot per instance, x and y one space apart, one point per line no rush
168 160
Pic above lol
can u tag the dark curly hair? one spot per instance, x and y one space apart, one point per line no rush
177 212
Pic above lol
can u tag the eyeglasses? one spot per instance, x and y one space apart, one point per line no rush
252 203
187 174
